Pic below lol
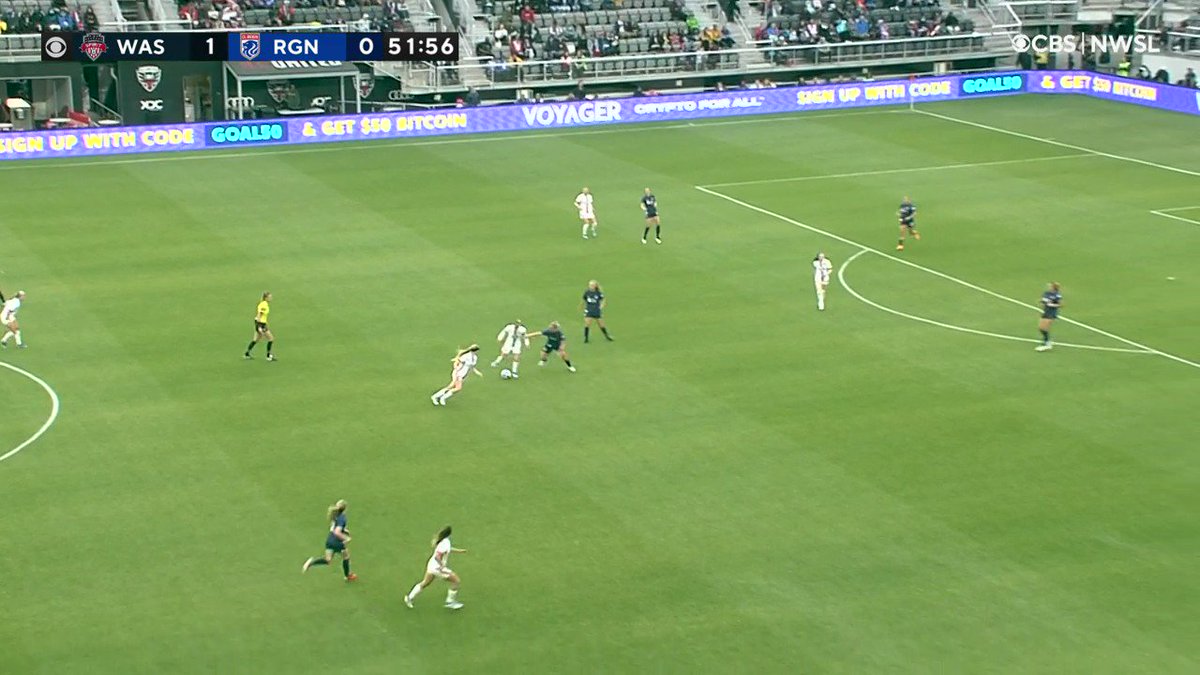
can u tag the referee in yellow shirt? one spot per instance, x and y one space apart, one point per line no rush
262 329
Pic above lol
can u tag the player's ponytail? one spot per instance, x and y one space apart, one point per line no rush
437 539
334 509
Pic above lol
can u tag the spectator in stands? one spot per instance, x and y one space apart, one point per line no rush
189 13
693 25
732 10
472 99
1189 79
501 34
527 17
516 48
678 11
727 41
862 27
285 14
90 20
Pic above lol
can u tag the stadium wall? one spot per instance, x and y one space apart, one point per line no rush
514 118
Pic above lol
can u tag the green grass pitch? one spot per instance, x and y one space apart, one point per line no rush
739 483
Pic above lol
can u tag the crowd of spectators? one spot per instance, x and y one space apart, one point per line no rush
376 15
816 22
57 16
519 36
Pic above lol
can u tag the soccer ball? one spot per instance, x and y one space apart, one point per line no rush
506 374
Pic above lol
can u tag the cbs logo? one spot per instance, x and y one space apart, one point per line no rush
55 47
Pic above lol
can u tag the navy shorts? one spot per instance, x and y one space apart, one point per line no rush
1050 314
334 544
592 315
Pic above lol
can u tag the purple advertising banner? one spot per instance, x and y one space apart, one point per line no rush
1139 92
92 141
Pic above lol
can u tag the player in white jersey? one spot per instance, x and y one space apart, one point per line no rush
464 365
512 338
437 568
587 211
8 317
822 271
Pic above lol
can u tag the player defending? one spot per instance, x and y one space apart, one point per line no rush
908 222
262 331
587 212
464 364
555 342
1051 302
437 568
650 209
8 316
822 271
336 542
592 304
512 339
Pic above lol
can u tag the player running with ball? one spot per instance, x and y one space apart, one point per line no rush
512 338
822 271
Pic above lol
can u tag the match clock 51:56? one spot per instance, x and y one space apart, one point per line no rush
420 46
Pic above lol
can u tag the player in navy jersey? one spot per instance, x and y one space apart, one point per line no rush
908 222
1051 302
555 342
593 302
335 542
650 208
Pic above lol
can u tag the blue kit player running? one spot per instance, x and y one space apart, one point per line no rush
554 343
908 222
593 303
336 542
1051 303
650 208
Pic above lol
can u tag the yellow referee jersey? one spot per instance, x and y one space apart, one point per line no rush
264 310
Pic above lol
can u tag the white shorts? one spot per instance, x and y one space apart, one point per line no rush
515 350
439 572
820 283
587 215
460 374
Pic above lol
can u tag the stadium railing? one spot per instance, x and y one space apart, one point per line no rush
1045 11
1001 16
732 61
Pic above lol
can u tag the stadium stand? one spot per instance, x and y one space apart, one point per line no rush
20 17
392 15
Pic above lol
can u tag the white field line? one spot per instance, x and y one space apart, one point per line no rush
941 275
1180 208
54 408
916 169
412 142
962 329
1069 146
1172 216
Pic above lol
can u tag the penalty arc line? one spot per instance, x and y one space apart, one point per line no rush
916 169
942 275
54 408
962 329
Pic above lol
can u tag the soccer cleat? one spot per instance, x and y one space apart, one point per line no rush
917 236
270 357
408 602
541 363
351 577
247 357
899 247
585 237
307 564
643 240
657 240
4 345
516 376
454 605
1042 348
594 234
608 338
571 368
434 398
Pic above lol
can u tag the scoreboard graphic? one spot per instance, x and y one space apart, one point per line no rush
99 47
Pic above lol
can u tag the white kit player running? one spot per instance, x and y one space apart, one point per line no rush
437 568
512 338
822 271
8 317
464 365
587 211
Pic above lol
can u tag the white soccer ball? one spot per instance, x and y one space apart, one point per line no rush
506 374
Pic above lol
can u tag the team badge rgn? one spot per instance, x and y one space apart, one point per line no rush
149 77
250 46
93 45
366 83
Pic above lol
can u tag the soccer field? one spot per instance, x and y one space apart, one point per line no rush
738 483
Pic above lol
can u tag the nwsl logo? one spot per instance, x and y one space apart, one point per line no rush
93 45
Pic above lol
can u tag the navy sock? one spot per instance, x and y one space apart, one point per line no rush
604 330
269 347
346 566
250 347
318 561
657 231
1045 337
586 332
646 233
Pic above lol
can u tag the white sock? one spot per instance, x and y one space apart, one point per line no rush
593 230
7 335
585 229
19 343
497 361
416 590
451 595
516 365
448 394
